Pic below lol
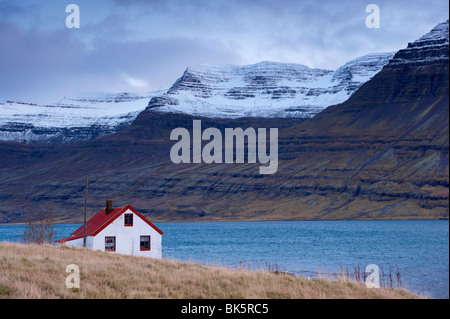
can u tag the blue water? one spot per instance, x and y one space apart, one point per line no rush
420 249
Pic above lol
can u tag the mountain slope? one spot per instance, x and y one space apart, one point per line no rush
265 89
405 97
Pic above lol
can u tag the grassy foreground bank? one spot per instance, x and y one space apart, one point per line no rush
39 271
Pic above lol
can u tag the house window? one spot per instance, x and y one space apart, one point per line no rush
110 243
128 219
145 243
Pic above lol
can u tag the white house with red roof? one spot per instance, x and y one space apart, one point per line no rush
122 230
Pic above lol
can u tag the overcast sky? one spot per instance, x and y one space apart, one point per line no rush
144 45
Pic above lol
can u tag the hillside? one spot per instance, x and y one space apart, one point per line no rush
382 154
31 271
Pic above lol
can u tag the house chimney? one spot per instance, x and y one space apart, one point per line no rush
109 206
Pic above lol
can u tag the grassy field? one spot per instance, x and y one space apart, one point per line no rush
39 271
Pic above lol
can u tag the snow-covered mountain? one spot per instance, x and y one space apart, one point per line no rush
75 118
265 89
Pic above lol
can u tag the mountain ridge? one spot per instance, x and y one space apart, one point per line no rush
264 89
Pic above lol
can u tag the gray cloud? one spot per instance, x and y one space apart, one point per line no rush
144 45
42 66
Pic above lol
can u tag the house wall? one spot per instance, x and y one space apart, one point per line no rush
79 242
128 237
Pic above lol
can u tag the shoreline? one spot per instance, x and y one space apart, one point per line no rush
256 220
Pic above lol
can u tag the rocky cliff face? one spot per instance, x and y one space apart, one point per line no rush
265 89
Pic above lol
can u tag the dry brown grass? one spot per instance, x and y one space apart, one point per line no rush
38 271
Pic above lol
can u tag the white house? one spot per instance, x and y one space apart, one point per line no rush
121 230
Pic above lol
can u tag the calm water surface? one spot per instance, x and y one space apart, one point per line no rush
420 249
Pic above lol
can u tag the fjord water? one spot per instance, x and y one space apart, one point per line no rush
419 248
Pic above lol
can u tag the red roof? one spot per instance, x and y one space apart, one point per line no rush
100 220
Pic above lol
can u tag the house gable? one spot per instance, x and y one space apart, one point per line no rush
118 214
101 220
